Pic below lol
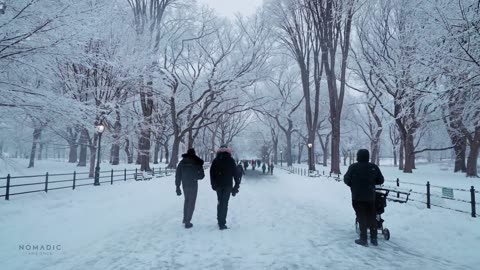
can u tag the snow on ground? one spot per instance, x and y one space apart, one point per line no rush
282 221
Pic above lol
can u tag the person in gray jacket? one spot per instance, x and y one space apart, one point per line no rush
362 177
189 171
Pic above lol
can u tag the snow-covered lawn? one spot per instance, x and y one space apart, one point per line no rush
282 221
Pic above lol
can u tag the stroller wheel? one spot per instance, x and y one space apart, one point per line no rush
386 234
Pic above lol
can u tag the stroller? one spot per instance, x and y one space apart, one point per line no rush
380 204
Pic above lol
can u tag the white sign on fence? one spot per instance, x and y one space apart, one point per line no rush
447 193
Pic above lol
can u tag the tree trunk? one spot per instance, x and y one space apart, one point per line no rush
167 153
335 149
72 154
409 156
40 151
401 160
460 148
289 150
83 141
395 161
300 150
128 152
156 151
472 159
144 148
115 153
175 151
37 132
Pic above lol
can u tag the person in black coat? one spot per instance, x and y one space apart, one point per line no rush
362 177
189 171
222 173
240 171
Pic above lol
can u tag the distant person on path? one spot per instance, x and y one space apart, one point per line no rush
240 171
362 177
245 164
222 173
270 168
264 168
189 171
253 165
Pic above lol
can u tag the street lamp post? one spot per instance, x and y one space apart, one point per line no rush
310 167
99 129
281 158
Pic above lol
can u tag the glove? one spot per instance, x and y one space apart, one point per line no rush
234 191
179 192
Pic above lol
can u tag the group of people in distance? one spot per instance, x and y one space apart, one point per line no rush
226 175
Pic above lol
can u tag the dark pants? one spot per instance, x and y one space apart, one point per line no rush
190 192
367 218
223 195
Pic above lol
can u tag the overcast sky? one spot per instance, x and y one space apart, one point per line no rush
229 8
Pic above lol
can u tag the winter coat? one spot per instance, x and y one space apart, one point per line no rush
240 171
189 170
362 177
223 170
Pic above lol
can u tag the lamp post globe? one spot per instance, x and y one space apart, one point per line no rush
99 129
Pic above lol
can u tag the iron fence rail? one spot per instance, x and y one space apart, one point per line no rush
57 181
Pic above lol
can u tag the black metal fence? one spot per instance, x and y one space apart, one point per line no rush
425 194
18 185
440 196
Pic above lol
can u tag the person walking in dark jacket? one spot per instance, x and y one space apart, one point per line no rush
264 168
240 171
245 164
222 174
270 168
362 177
189 171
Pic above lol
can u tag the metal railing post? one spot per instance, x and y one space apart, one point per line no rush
7 190
135 174
428 194
74 179
398 185
111 177
124 174
46 182
472 195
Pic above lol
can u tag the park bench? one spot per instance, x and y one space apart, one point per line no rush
142 176
402 194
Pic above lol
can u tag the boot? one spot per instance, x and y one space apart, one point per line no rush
374 241
188 225
361 242
222 227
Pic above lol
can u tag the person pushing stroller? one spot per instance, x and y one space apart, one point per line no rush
362 177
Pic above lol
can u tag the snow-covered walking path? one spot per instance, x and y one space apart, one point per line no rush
276 222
